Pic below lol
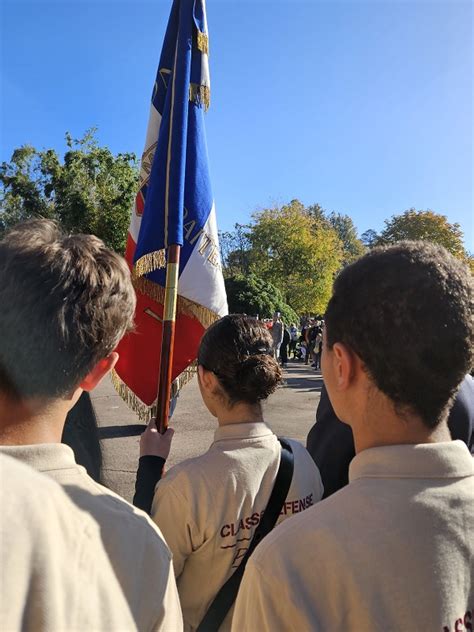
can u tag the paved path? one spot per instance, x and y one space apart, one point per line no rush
290 412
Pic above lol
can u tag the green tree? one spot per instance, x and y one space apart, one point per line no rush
369 238
347 232
425 225
235 250
89 191
249 294
317 212
470 263
296 252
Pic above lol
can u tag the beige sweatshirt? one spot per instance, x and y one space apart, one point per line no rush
140 558
54 573
392 551
209 507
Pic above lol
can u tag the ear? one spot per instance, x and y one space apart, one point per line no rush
343 366
99 371
207 379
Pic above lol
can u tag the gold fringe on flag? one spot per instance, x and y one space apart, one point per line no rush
150 289
149 263
203 42
184 306
183 378
200 95
146 413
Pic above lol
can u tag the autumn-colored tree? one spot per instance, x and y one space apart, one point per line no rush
470 263
297 252
89 191
352 246
425 225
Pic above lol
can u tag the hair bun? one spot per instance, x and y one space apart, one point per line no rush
257 377
238 349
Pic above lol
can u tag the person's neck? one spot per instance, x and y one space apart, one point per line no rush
239 414
380 425
31 422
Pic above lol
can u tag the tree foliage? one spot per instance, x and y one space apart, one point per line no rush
369 238
89 191
470 263
296 252
297 249
235 250
424 225
352 246
249 294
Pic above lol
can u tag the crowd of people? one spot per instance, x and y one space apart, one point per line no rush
305 341
369 528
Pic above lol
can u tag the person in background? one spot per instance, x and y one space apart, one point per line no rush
284 347
209 507
55 574
318 348
58 339
395 546
293 340
277 331
311 334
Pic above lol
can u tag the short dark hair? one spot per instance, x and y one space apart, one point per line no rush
66 301
407 311
238 350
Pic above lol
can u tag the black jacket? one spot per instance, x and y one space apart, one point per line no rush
331 444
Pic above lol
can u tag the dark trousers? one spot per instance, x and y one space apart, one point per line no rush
309 352
317 359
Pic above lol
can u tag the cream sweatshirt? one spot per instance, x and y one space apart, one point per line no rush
54 573
209 507
139 556
391 551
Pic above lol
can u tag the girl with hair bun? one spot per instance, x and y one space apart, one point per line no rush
208 507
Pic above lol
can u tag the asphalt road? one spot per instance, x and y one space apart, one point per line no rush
290 412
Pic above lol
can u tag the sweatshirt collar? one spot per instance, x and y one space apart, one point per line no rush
42 456
426 460
242 431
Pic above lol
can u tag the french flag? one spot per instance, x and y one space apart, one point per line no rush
174 205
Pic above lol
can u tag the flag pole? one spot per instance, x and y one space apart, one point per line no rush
167 345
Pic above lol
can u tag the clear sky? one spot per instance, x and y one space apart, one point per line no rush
364 107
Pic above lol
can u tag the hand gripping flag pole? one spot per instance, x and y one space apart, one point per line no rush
172 245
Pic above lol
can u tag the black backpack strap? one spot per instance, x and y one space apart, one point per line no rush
227 594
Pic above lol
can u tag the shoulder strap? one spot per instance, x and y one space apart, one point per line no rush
227 594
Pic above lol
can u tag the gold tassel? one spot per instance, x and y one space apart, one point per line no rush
203 42
149 263
200 95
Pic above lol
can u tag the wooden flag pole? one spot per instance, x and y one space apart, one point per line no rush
167 345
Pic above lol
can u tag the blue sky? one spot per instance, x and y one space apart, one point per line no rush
364 107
